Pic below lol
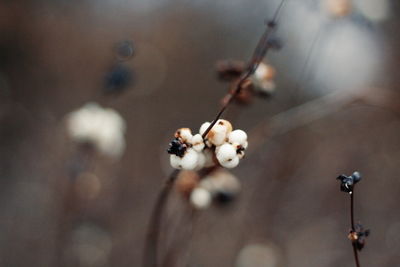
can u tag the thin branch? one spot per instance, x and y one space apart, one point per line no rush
153 232
259 53
353 229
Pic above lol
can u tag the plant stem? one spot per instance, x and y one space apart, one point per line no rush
259 53
355 252
153 231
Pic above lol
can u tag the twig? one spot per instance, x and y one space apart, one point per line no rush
353 229
151 246
259 53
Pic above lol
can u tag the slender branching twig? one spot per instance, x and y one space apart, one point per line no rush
357 234
353 229
265 43
259 53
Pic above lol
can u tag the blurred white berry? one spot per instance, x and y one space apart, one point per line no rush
189 160
266 87
102 127
200 198
225 153
185 134
338 8
230 163
264 72
237 136
197 142
220 180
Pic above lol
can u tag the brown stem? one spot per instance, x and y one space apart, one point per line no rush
259 53
353 229
153 231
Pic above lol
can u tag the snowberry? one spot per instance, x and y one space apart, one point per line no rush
220 180
200 198
197 142
232 163
185 134
237 136
225 153
264 72
204 127
189 160
221 145
218 133
266 87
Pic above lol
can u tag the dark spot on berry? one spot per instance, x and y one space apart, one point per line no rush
176 147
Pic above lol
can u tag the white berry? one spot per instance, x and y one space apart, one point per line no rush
204 127
231 163
237 136
184 133
267 87
217 135
200 198
225 153
189 160
197 142
264 72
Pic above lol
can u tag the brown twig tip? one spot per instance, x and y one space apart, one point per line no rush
357 234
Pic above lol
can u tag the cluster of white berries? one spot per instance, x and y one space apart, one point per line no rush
220 185
263 79
103 127
221 146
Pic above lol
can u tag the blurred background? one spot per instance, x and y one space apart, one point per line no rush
335 110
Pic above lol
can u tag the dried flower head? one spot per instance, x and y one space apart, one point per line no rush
347 182
358 236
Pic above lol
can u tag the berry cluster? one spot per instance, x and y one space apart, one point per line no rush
221 146
219 186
